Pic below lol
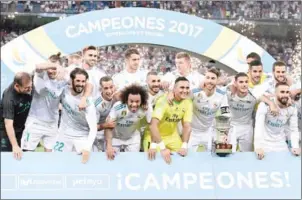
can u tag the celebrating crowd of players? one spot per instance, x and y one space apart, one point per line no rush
136 110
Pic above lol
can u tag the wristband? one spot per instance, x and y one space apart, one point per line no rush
184 145
161 145
153 145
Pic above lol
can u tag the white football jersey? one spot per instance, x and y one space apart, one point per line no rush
151 103
126 121
271 128
194 78
76 123
205 108
103 108
46 98
241 108
125 78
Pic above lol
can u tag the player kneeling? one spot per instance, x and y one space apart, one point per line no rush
127 115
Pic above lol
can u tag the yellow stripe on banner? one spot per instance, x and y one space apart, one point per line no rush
40 41
223 43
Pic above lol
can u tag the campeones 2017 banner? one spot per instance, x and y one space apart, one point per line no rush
198 176
126 26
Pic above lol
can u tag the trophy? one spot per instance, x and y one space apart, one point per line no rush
221 139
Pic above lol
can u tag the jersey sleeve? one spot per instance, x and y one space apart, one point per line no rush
188 112
40 81
160 108
293 127
8 107
92 123
114 111
259 125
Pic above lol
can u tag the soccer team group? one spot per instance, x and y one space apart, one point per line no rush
136 110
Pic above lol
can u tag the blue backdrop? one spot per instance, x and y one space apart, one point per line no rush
131 175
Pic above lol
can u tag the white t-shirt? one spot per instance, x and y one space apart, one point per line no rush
103 108
297 85
205 108
194 78
76 123
126 122
46 98
125 78
151 103
271 128
241 108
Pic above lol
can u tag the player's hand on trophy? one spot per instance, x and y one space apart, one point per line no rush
166 154
259 153
17 152
296 151
110 152
85 156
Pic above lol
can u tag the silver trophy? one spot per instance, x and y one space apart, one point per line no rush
221 139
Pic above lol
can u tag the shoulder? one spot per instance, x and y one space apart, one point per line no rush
119 106
220 91
196 90
98 101
161 100
187 101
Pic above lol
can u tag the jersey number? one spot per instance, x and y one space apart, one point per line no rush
59 146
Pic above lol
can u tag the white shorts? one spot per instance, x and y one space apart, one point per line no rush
65 143
244 137
36 131
99 142
198 138
133 144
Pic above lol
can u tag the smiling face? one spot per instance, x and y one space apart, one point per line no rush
134 102
79 83
181 90
153 83
211 80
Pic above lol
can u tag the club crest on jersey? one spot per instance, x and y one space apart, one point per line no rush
124 113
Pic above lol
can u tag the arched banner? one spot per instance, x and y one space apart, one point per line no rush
126 26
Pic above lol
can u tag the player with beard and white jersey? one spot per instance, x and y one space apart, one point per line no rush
90 56
78 128
242 105
127 115
131 74
154 92
42 120
269 129
206 103
103 106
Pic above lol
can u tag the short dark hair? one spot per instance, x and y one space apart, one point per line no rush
131 51
255 63
21 77
77 71
105 79
281 84
278 64
89 48
215 71
254 56
181 78
154 73
134 89
240 74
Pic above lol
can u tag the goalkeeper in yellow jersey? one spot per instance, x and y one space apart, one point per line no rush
165 117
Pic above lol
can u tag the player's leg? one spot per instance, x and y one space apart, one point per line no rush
244 136
134 143
49 142
173 142
195 143
146 142
31 137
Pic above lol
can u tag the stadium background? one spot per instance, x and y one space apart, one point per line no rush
275 26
